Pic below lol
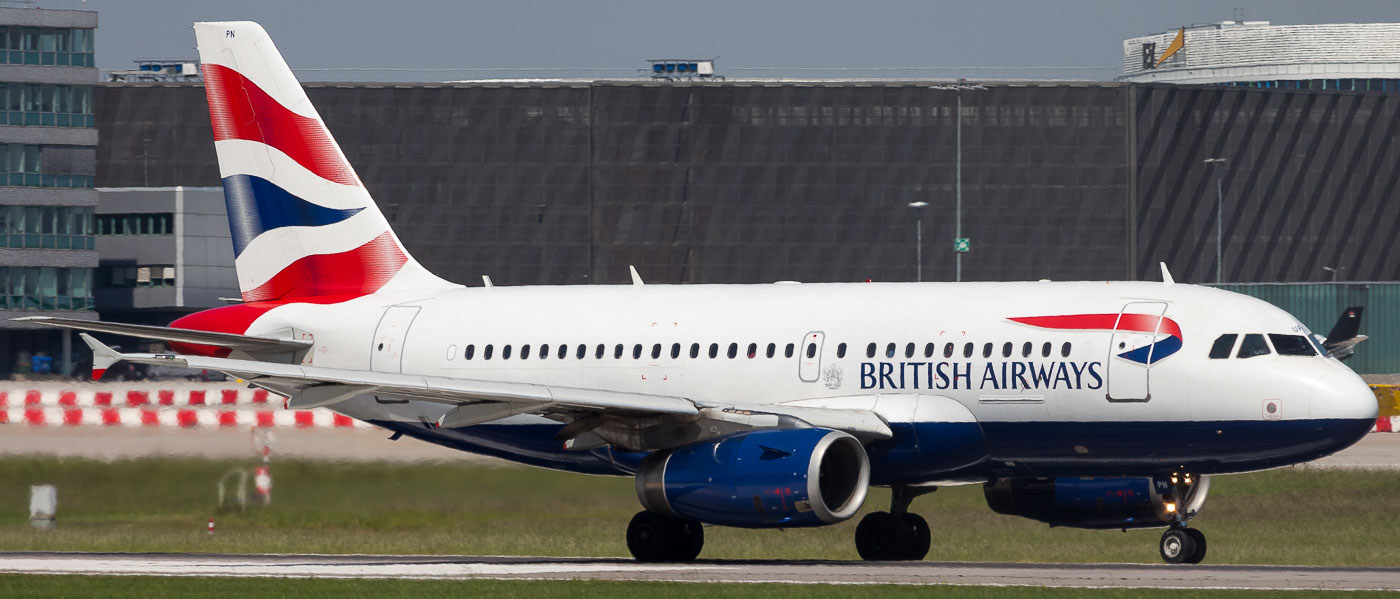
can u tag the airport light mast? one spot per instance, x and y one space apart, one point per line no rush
1217 163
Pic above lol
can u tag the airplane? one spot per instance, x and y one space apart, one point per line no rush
1104 405
1342 339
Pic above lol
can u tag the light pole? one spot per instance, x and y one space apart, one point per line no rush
958 88
1217 163
1335 271
919 238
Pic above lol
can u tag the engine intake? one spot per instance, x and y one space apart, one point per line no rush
759 479
1094 502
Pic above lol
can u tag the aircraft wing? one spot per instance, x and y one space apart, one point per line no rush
477 401
247 343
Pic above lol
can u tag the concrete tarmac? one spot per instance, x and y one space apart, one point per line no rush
793 572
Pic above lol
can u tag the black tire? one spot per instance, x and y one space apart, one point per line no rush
649 537
877 537
689 540
1200 539
1177 546
918 539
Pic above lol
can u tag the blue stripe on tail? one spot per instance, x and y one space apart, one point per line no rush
256 205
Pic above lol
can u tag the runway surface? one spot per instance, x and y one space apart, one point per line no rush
799 572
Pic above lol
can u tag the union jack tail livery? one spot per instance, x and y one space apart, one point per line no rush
303 224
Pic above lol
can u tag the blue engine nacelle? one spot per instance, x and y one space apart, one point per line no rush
760 479
1095 502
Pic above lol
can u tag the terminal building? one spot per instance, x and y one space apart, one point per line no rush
1342 56
48 148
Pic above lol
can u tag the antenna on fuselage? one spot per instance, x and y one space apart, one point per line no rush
636 278
1167 279
486 280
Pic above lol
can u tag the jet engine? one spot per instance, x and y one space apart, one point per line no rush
759 479
1099 502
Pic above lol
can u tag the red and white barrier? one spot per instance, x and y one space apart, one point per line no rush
182 405
1387 424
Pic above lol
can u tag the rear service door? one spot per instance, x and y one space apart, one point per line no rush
386 354
809 357
1130 351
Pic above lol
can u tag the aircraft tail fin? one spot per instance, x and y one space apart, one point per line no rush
1348 325
303 225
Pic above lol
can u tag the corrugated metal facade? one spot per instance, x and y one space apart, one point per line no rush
1319 305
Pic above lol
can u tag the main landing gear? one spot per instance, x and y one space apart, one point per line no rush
896 535
655 537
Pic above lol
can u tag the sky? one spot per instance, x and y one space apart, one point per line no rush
753 38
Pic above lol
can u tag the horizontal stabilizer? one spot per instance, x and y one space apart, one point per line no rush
247 343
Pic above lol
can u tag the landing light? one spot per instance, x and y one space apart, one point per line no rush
1171 508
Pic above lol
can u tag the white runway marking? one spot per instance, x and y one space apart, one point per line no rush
809 572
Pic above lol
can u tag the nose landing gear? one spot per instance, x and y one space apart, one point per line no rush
896 535
1183 495
1181 545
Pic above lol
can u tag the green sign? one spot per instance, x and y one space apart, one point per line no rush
962 244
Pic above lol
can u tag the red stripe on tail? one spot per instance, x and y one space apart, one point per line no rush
239 109
360 271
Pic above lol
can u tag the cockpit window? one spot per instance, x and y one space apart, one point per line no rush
1321 349
1292 345
1223 345
1253 345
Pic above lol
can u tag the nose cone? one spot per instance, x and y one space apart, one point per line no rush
1342 395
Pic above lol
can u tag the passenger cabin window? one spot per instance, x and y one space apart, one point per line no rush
948 350
505 352
469 352
1064 350
811 350
967 350
869 351
987 350
564 350
525 351
1006 350
928 350
714 350
753 350
617 352
1223 344
1045 350
1026 350
583 351
1253 345
451 352
909 350
1291 345
889 351
787 351
637 351
772 350
733 350
841 350
675 350
694 350
656 351
544 351
598 354
486 352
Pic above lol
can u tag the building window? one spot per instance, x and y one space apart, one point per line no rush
35 105
120 276
46 288
46 227
22 165
155 223
56 46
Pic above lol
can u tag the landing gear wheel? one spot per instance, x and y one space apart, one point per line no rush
653 537
1200 539
883 536
1178 546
